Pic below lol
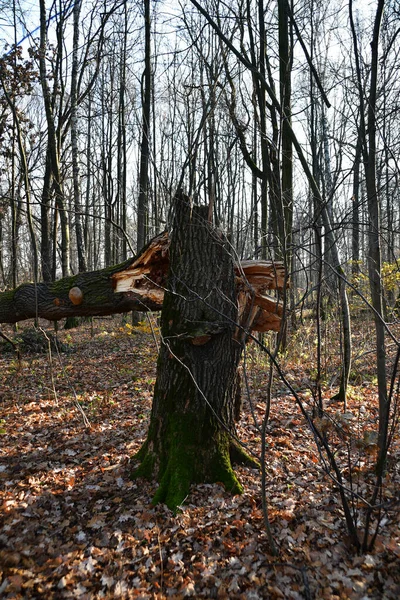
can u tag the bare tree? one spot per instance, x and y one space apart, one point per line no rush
143 201
369 151
80 240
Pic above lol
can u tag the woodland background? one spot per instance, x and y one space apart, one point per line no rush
283 117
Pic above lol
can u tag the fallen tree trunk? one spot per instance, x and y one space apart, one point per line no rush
85 294
139 284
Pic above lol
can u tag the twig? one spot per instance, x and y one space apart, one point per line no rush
161 561
76 403
51 365
153 332
304 576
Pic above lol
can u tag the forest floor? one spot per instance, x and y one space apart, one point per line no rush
74 525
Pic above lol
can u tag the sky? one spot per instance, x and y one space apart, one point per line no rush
28 10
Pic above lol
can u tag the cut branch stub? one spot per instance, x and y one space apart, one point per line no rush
75 295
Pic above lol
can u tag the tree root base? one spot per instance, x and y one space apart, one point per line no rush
239 456
185 466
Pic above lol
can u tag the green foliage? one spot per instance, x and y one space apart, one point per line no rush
96 403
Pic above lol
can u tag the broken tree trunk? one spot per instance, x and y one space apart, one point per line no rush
258 311
192 420
139 284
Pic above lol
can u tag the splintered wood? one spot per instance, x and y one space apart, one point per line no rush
258 311
146 276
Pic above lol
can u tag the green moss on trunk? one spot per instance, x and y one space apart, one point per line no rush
239 456
186 459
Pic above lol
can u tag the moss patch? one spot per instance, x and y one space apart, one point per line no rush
221 470
179 458
239 456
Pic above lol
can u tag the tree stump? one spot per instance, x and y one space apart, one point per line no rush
189 438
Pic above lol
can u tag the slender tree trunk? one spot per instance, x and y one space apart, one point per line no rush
89 232
13 199
285 71
143 200
106 151
3 275
368 134
54 247
122 166
355 230
53 146
80 240
285 68
264 151
374 240
46 235
25 175
254 194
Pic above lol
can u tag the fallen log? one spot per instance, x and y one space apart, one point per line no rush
139 284
96 297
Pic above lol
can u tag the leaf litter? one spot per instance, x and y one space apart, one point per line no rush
74 525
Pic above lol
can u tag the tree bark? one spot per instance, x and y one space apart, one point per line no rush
45 232
80 240
25 177
53 150
367 132
355 229
192 420
374 245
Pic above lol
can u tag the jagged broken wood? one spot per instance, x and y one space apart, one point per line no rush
139 284
258 311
